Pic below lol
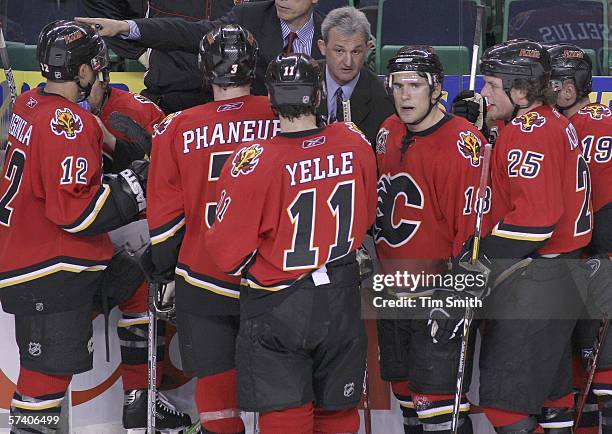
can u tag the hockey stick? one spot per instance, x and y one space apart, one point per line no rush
367 414
6 65
591 368
152 365
469 312
476 46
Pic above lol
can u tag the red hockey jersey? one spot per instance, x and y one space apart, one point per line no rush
144 112
51 190
291 204
541 186
189 150
427 196
593 124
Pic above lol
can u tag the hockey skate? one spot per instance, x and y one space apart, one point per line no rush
168 419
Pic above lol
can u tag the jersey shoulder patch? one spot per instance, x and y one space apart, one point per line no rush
596 111
381 141
246 160
529 121
469 146
67 123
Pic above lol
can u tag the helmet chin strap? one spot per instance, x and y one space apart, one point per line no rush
562 109
85 90
96 111
516 106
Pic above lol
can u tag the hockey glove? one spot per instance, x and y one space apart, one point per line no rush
366 266
133 182
472 278
139 138
599 275
445 323
161 301
471 106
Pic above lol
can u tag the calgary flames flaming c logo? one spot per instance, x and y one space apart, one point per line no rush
469 147
596 111
246 160
529 121
67 123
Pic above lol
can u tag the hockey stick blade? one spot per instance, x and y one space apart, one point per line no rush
135 133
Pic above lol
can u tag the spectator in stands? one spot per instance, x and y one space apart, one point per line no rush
345 43
173 80
278 25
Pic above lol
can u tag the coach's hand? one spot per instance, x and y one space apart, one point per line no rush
106 26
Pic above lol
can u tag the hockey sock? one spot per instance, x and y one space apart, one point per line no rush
605 408
510 422
558 415
602 388
589 421
217 404
37 401
412 424
336 421
296 420
133 331
435 412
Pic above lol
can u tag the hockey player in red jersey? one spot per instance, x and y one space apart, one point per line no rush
127 121
56 207
541 209
421 222
291 213
127 135
189 150
571 78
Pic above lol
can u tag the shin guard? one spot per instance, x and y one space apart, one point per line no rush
132 330
412 424
217 404
36 404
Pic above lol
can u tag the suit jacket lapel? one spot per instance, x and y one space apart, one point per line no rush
272 38
360 98
315 52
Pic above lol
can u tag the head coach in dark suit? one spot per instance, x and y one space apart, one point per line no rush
345 42
278 25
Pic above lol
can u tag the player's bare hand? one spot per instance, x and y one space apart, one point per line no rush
109 139
106 26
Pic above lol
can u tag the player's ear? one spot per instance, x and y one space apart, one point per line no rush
437 92
321 44
569 90
83 70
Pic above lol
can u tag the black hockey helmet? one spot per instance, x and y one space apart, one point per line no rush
569 61
517 59
228 56
419 58
293 80
63 46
